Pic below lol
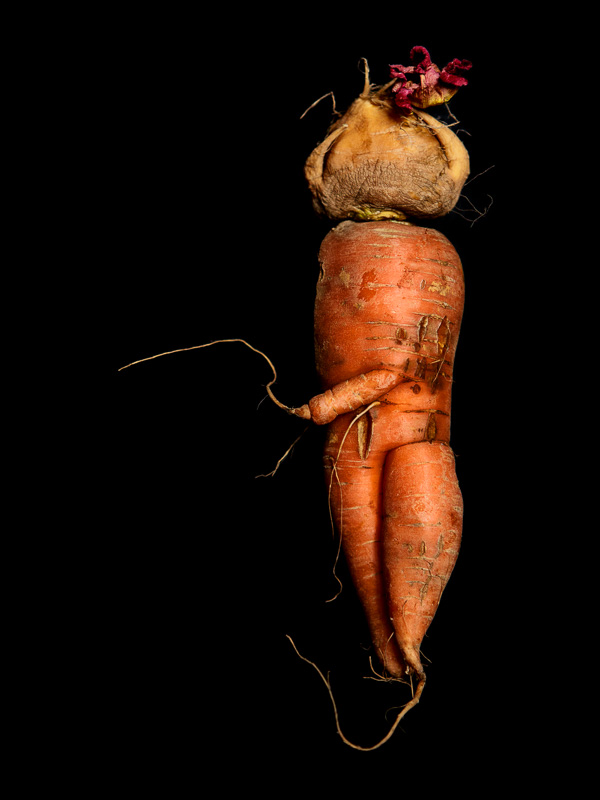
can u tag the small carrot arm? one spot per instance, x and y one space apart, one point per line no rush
349 395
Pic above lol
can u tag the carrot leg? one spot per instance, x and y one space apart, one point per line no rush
356 504
421 532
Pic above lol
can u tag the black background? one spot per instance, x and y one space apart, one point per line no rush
198 226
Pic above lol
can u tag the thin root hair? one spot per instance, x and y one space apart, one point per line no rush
382 678
284 456
479 174
478 214
402 713
221 341
312 105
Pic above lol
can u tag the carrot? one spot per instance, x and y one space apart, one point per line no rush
399 289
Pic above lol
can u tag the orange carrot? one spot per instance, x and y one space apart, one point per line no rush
399 288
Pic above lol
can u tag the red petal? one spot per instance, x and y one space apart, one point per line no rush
398 71
402 93
420 56
450 72
429 90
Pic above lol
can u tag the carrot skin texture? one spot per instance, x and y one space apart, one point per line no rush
350 395
390 298
421 533
356 499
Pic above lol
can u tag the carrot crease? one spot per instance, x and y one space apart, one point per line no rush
403 711
333 527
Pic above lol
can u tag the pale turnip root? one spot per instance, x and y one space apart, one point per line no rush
385 158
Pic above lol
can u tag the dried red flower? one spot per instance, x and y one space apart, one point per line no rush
423 84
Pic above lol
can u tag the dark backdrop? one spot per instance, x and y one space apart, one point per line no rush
202 229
